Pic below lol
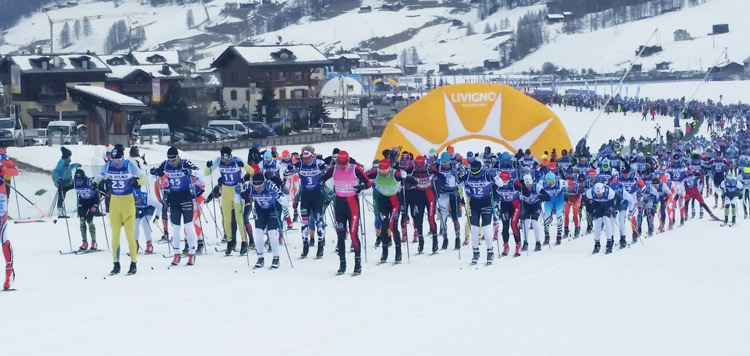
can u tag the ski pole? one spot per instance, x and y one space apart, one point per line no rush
363 226
67 227
18 207
34 205
213 205
106 236
278 226
406 215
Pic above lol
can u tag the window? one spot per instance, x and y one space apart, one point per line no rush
48 108
233 112
282 94
47 89
247 95
298 75
299 94
268 75
233 95
282 76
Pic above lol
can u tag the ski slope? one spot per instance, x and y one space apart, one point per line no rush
680 292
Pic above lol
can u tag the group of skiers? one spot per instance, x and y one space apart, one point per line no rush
500 194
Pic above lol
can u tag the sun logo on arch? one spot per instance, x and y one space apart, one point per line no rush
491 112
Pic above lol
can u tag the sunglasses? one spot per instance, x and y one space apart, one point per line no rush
226 156
172 158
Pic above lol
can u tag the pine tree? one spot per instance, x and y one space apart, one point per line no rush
65 36
77 29
414 56
469 29
267 100
403 59
86 27
487 28
190 20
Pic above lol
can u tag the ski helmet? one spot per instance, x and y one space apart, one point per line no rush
599 189
550 178
527 179
505 176
343 157
445 157
476 167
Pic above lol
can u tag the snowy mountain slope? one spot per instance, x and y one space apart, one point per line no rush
675 293
609 49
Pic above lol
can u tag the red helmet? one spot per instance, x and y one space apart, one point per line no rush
552 166
384 164
505 176
285 154
419 162
592 172
640 182
664 178
343 157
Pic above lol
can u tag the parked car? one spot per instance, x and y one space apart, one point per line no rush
221 135
154 133
11 132
232 125
232 135
191 137
210 137
329 128
262 128
64 132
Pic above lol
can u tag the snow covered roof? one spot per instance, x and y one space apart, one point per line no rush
58 62
346 55
333 87
555 16
377 71
275 55
109 95
156 57
155 70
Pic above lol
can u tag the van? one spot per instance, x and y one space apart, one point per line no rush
11 132
232 125
154 133
63 132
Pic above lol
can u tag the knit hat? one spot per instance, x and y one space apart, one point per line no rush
65 152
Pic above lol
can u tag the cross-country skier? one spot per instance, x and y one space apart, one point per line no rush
311 195
478 187
348 181
601 200
510 210
555 188
180 194
122 176
7 169
230 168
532 196
731 193
422 199
266 196
88 206
387 182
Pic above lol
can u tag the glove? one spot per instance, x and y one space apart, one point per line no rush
102 186
209 164
134 184
153 171
221 180
240 163
156 219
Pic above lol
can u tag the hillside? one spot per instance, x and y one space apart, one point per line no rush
436 29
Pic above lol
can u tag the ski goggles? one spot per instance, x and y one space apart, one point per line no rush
172 158
306 154
226 156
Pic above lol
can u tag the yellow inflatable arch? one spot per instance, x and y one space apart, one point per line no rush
492 112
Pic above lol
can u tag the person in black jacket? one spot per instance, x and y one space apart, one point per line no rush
253 155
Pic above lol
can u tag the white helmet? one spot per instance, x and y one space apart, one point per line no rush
598 189
527 179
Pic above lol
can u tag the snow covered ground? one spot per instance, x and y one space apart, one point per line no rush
676 293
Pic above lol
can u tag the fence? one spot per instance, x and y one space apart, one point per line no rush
302 139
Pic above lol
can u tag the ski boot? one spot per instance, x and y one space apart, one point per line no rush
84 246
384 255
610 244
566 232
230 247
597 246
115 269
312 242
458 244
321 244
525 245
275 262
475 256
635 237
734 220
259 263
416 237
445 243
538 246
623 242
243 248
133 269
466 241
357 266
490 256
577 232
176 260
558 240
164 238
434 243
546 239
397 259
342 267
505 249
289 225
518 251
149 248
305 248
420 244
191 259
10 276
186 250
200 248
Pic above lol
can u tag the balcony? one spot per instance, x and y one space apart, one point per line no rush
136 88
51 97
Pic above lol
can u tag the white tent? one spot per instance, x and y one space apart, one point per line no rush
350 87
